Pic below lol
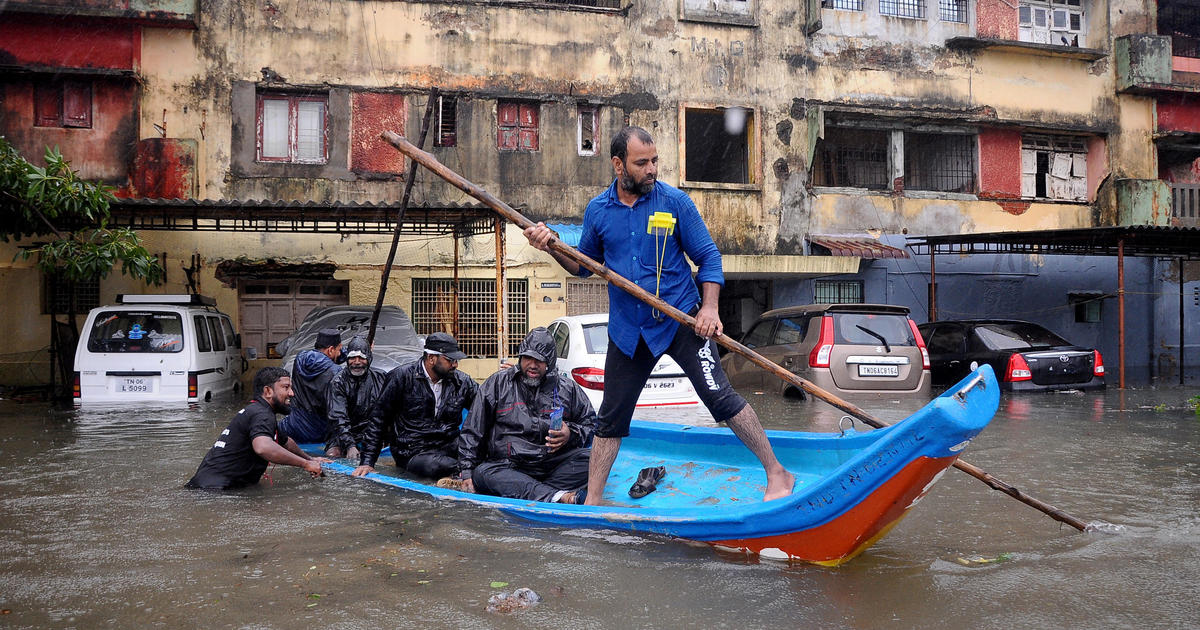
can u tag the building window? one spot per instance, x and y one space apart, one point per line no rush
718 145
903 8
939 162
447 122
856 158
1087 306
837 292
433 311
586 132
63 104
1180 20
1057 22
586 295
843 5
952 10
518 123
1054 167
60 295
293 128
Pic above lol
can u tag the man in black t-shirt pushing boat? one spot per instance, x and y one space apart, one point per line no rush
253 439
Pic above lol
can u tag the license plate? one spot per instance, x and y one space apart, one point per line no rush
135 385
665 384
879 370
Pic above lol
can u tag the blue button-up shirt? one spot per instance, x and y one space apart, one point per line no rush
615 234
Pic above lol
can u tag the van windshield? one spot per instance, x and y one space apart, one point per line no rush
136 331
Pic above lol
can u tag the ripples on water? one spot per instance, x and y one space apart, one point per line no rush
97 530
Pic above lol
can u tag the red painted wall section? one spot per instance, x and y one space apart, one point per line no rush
1175 114
68 42
999 163
102 152
371 114
164 168
996 19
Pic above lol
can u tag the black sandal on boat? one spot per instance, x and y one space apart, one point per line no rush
647 481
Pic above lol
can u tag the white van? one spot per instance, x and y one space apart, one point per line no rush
172 348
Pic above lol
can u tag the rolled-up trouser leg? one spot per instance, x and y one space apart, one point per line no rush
502 480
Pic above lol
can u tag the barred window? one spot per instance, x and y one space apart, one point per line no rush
939 162
844 5
60 295
857 158
586 295
903 8
447 122
838 292
433 311
952 10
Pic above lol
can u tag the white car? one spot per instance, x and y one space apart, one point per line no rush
581 342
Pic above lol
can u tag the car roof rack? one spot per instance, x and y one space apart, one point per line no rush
175 298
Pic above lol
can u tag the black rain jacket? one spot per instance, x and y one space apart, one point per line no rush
351 401
405 416
510 420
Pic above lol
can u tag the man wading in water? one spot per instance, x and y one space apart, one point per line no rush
642 229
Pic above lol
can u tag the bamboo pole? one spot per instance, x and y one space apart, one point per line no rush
431 163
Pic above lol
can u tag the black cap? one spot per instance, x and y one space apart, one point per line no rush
327 338
443 343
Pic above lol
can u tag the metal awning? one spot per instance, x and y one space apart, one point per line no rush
1135 240
858 246
1156 241
231 215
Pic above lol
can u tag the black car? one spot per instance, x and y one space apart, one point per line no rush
1025 356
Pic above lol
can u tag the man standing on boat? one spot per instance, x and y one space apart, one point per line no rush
311 374
420 411
642 229
353 395
527 435
240 455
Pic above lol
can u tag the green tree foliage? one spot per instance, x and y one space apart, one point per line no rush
54 202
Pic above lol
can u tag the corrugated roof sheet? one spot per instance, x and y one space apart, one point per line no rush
858 246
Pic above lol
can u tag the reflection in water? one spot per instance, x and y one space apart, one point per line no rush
98 530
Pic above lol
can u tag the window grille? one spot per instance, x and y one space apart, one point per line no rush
837 292
952 10
1180 20
58 294
586 296
292 128
856 158
447 122
603 4
432 311
843 5
903 8
939 162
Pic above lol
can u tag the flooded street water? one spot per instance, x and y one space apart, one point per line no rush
98 531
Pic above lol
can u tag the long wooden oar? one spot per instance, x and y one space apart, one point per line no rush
431 163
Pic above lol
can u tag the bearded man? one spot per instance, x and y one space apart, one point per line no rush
253 439
528 434
353 395
419 412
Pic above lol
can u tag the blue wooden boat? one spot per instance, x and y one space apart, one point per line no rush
851 487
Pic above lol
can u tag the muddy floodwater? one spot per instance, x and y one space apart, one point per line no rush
97 531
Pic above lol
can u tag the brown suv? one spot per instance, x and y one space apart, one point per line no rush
847 349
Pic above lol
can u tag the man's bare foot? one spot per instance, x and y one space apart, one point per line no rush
779 485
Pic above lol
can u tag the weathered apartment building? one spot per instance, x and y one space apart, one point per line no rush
814 136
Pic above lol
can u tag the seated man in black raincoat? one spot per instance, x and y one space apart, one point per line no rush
528 434
353 395
419 412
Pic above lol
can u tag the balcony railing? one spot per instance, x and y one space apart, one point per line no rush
1185 205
